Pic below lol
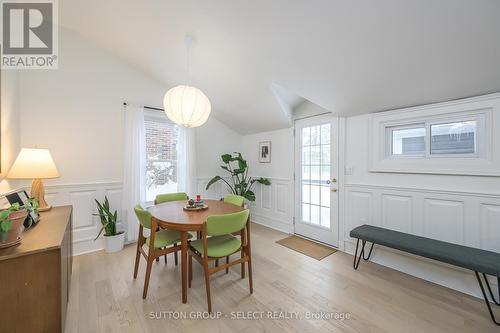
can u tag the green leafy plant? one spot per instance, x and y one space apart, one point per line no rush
32 206
239 182
5 223
108 219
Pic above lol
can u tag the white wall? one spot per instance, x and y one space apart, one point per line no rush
9 99
77 110
458 209
274 204
212 140
281 165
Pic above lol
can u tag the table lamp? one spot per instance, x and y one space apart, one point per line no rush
34 163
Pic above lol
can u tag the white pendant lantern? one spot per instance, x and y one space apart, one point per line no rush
187 106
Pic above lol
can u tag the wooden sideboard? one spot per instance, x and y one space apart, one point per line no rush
35 276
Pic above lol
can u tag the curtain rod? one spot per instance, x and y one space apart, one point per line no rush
147 107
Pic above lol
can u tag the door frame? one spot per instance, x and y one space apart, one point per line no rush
340 158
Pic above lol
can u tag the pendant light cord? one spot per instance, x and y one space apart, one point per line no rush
189 41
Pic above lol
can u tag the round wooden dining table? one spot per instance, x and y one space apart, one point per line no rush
171 215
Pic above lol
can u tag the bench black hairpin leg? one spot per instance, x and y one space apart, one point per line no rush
491 292
486 300
369 253
357 258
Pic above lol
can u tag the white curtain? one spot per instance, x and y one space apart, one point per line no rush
134 168
186 163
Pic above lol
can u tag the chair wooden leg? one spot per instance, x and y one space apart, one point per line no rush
207 286
190 270
250 281
216 262
137 258
227 262
146 279
165 257
175 256
242 264
248 251
158 259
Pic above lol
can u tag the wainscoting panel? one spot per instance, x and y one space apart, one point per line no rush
444 220
490 227
81 197
471 219
397 212
273 204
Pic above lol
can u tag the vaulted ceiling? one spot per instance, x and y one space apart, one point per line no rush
347 56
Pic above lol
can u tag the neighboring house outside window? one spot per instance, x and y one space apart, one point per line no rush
162 140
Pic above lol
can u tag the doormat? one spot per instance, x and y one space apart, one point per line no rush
307 247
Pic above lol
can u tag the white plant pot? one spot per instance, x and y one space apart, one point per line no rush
114 243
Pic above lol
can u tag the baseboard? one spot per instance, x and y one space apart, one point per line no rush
272 223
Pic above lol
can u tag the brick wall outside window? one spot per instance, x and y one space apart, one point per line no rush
162 139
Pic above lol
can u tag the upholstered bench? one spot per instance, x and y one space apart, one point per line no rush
480 261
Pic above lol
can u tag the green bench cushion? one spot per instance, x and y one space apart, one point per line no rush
483 261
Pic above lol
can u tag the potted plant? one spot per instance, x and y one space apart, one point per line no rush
239 183
113 240
11 225
32 207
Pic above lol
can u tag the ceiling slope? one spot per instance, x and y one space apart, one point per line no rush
349 57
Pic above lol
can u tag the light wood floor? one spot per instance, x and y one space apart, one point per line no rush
105 298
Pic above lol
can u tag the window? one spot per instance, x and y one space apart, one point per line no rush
162 140
408 141
454 138
433 138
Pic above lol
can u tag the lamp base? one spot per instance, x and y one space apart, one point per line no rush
45 209
38 192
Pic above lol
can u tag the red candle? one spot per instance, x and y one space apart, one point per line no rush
198 197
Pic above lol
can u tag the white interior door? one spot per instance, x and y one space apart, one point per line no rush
316 174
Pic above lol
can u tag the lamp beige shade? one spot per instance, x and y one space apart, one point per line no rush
33 163
36 164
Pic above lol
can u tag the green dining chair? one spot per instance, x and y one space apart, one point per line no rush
234 199
167 197
159 243
161 198
217 242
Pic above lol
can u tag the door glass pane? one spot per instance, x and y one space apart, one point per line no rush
306 173
315 194
306 193
306 156
454 138
306 136
325 174
325 196
315 135
315 174
315 155
306 213
315 214
325 154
